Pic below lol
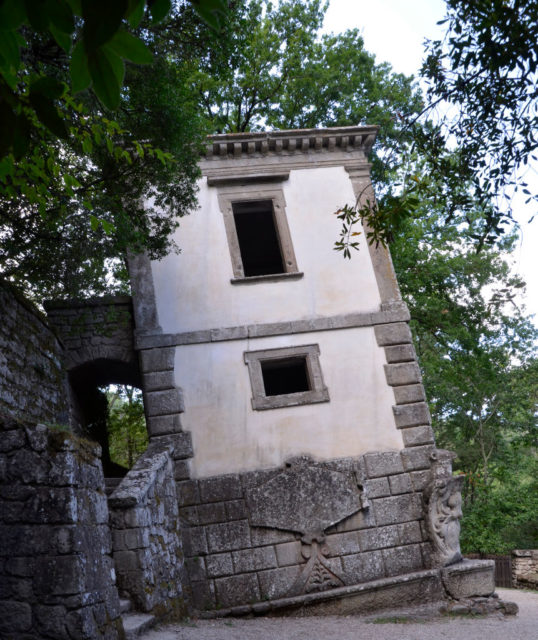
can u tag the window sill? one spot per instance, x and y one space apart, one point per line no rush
290 399
273 277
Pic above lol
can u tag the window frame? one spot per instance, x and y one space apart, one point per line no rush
227 197
310 353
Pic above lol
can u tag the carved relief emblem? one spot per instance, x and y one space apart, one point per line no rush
308 498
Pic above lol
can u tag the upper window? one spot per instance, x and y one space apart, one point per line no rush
286 377
258 233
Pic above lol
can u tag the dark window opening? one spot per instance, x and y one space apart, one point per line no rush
258 238
289 375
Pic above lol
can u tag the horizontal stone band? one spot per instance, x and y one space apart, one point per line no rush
242 332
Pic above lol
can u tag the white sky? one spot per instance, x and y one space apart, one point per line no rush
395 30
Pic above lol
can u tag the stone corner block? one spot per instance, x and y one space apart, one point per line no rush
417 436
157 359
392 334
163 425
411 415
416 458
160 403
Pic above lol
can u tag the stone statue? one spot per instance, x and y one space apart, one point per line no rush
443 497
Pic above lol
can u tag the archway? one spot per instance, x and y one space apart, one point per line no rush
99 390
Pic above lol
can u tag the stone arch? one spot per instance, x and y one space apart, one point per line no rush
97 336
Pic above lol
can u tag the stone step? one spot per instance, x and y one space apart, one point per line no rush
125 605
135 624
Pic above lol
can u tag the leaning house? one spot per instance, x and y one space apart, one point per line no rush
291 464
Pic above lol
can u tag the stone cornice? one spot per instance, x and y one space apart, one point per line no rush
265 153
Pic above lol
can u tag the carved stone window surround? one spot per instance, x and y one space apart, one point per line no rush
251 191
318 391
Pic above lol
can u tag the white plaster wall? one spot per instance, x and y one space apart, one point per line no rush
193 289
229 436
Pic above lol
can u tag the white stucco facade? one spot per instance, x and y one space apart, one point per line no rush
211 317
193 289
229 436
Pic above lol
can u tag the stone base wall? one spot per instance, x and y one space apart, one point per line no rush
146 539
231 561
525 568
56 574
32 382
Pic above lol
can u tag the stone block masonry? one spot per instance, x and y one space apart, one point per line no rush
32 382
525 568
56 574
231 562
145 532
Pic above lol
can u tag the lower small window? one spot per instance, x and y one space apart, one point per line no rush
286 377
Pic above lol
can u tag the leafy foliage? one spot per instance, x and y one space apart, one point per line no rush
126 425
71 199
484 75
477 352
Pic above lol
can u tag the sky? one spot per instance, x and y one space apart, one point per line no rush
395 31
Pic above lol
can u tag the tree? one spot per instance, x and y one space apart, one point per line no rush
73 174
126 425
477 351
484 74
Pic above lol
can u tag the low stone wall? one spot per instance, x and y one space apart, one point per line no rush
56 573
32 382
145 531
374 529
525 568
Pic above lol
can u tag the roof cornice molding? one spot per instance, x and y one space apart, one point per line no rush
295 148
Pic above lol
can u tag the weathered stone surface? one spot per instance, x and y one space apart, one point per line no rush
409 415
391 334
378 487
196 568
408 392
363 567
15 617
383 464
360 520
404 375
237 590
220 488
417 436
417 457
400 353
276 583
469 578
219 564
148 558
401 560
410 532
188 492
164 425
305 497
56 568
379 538
339 544
289 553
397 509
254 559
203 595
159 380
159 403
194 541
400 483
236 510
211 513
228 536
157 359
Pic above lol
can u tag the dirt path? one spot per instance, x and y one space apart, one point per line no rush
521 627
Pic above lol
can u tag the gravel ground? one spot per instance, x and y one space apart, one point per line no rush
524 626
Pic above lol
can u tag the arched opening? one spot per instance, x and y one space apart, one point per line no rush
107 403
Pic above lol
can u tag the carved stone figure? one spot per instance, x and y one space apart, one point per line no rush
443 497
